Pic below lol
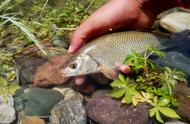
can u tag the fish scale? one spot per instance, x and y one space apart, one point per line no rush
113 48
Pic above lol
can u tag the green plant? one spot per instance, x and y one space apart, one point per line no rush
150 83
160 106
124 88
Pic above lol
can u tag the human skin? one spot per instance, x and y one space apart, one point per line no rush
118 15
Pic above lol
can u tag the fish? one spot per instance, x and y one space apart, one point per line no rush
108 52
176 22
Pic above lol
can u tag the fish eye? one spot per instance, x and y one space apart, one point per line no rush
73 66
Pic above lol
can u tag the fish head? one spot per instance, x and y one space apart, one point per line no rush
80 64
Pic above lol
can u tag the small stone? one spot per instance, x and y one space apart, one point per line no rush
105 110
7 111
69 93
7 114
68 112
32 120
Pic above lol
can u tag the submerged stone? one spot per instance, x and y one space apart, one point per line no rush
37 101
68 112
105 110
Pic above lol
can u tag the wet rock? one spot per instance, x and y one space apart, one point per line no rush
69 93
7 111
68 112
32 120
105 110
36 101
27 66
176 60
182 94
49 72
176 22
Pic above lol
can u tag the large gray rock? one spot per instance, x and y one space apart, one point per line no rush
68 112
37 101
105 110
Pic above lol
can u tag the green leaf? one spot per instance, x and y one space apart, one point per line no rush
152 111
168 112
128 98
117 83
122 78
118 93
163 102
158 117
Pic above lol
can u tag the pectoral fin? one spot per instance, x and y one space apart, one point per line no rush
109 73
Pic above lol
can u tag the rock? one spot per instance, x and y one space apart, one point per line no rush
36 101
175 122
176 22
182 94
7 114
27 66
68 112
61 41
49 73
32 120
105 110
7 110
100 78
176 60
69 93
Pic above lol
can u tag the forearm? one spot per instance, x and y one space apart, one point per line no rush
157 6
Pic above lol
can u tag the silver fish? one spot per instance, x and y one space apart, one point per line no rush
110 50
176 22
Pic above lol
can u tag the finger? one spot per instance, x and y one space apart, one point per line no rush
97 24
80 80
125 69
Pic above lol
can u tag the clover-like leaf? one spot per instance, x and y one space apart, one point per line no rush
118 93
168 112
152 111
158 117
163 102
118 84
122 78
